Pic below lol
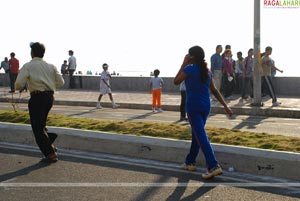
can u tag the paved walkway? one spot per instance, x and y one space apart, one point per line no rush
290 107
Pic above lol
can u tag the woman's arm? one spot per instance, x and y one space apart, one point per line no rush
219 96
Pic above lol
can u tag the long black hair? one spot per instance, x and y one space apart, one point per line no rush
198 58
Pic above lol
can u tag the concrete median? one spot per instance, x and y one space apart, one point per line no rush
248 160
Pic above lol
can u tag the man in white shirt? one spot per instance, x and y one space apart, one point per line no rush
43 79
72 68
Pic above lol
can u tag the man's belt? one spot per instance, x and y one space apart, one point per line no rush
41 92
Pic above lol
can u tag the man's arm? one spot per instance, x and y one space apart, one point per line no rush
212 63
274 67
59 81
22 78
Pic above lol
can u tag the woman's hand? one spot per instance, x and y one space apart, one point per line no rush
229 111
187 60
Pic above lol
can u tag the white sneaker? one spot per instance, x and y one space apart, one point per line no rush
190 167
114 106
276 103
153 109
159 110
98 106
217 170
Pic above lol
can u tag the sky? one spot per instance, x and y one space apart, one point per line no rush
137 36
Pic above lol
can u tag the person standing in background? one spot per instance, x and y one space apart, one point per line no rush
72 68
183 101
13 71
228 75
64 68
216 66
227 47
248 68
238 72
155 85
43 79
5 66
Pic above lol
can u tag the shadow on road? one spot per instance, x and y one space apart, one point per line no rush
143 116
250 122
83 113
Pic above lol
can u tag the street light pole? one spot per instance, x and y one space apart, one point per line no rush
257 69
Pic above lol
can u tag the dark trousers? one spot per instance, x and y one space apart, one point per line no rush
247 88
267 82
183 104
39 106
12 77
238 83
228 87
72 80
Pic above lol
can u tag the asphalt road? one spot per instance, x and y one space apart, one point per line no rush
91 176
271 125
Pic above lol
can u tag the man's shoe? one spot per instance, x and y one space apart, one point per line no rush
190 167
212 172
51 158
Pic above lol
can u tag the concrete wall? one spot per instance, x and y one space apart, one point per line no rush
120 83
283 85
287 85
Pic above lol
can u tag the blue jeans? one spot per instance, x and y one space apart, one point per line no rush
200 140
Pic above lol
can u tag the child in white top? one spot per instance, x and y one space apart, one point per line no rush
105 87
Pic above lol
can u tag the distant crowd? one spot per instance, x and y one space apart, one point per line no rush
236 76
12 67
230 76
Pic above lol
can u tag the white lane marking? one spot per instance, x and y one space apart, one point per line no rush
145 184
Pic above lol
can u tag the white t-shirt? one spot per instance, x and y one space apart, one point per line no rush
72 63
104 78
156 82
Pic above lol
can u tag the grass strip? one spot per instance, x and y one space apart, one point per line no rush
164 130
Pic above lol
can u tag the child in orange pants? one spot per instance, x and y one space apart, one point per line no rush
155 85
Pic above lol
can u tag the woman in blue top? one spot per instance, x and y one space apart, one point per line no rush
198 81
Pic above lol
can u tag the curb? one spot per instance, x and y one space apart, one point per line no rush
245 110
248 160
